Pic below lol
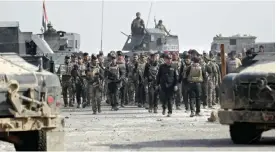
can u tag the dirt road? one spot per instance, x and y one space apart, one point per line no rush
134 129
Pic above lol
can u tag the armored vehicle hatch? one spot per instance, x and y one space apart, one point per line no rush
153 40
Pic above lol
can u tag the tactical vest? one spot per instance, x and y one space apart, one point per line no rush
65 71
176 65
153 70
185 67
93 71
141 69
195 74
82 69
115 71
232 65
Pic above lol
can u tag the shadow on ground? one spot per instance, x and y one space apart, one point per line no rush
189 143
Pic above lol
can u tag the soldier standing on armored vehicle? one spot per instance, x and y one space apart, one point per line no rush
122 67
162 27
176 63
167 78
94 75
233 63
137 25
150 74
183 79
195 75
141 88
114 77
65 72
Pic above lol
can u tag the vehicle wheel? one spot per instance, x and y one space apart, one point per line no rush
242 133
32 141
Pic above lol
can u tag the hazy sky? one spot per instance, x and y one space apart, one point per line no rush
195 22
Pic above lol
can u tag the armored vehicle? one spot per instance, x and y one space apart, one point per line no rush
29 106
154 40
52 45
248 99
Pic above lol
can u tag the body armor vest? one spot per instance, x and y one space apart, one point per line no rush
65 71
195 74
82 69
185 67
141 68
114 70
93 72
153 70
176 65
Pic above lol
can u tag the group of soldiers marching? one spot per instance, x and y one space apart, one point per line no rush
144 80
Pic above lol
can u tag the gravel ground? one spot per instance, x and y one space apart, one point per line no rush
134 129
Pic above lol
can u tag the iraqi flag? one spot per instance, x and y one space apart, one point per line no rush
44 17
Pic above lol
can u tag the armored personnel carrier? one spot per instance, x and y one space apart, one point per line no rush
29 106
52 46
154 40
248 99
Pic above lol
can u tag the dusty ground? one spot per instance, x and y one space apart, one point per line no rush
134 129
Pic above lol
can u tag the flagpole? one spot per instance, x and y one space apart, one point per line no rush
102 25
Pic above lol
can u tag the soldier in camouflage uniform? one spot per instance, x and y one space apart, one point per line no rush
122 67
80 82
114 77
86 62
101 60
141 88
150 74
212 76
94 77
183 78
218 77
204 86
65 72
176 63
134 78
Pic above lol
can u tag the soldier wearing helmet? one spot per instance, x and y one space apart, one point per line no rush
114 76
176 63
167 78
137 25
162 27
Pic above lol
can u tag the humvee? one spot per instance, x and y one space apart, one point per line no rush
29 106
248 99
154 40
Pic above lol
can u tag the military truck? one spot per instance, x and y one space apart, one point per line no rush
248 99
154 40
51 45
29 106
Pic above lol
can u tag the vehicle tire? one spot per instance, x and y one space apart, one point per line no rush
32 141
244 133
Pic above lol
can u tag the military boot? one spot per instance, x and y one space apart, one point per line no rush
79 105
169 115
192 114
71 104
99 109
84 104
150 110
155 109
139 105
94 112
164 112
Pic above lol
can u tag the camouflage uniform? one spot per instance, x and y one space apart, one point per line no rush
137 25
212 76
162 27
204 85
113 75
94 77
122 68
141 95
81 84
183 79
65 72
150 74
